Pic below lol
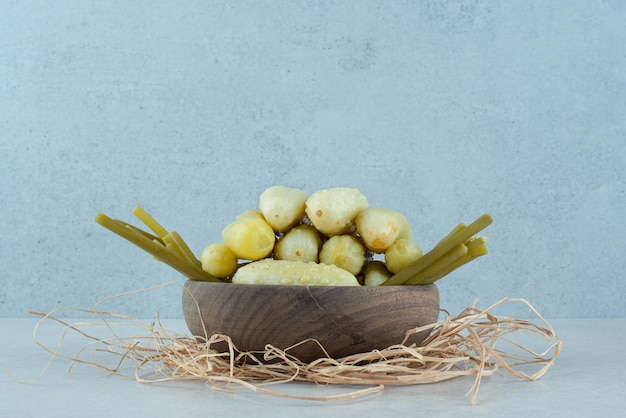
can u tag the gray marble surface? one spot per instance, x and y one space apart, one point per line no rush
585 381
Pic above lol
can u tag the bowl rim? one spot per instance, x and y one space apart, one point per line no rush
300 286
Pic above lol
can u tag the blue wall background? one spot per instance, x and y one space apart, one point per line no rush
440 109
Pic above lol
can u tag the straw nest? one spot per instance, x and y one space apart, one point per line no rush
474 343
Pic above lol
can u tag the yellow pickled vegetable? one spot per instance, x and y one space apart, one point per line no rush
375 273
345 252
218 260
401 253
282 206
249 236
284 272
332 211
380 227
301 243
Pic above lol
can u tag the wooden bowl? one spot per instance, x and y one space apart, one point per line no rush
344 320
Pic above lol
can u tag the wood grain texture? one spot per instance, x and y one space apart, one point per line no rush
345 320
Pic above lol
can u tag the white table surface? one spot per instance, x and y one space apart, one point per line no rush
587 379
